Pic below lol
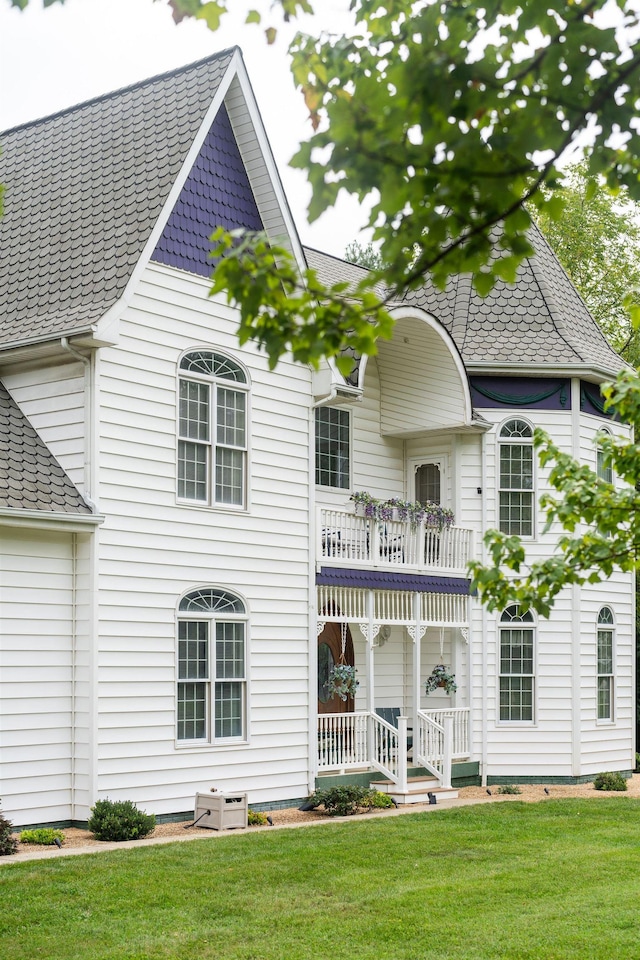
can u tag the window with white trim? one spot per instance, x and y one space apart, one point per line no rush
605 634
212 430
516 679
604 468
516 489
428 483
212 672
333 448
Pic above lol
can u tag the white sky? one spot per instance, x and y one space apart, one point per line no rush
54 58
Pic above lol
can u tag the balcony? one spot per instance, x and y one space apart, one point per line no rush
347 540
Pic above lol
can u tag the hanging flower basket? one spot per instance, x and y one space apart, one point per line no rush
440 677
342 681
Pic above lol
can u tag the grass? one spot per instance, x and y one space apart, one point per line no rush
557 879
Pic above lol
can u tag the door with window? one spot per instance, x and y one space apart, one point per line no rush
329 653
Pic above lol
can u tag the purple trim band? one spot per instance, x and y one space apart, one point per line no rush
380 580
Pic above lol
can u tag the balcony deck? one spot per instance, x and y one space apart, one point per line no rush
347 540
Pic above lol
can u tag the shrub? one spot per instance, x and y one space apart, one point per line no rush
119 820
8 843
509 788
256 819
46 836
637 761
348 800
610 781
377 801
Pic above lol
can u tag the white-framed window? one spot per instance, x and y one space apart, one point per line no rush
428 481
516 485
333 447
605 638
212 430
212 669
517 675
604 468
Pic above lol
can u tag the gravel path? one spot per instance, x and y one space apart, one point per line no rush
81 841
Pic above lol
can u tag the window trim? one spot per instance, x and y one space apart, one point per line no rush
600 469
501 443
609 627
503 624
324 486
212 617
214 383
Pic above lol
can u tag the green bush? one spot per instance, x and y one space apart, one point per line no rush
8 843
637 761
509 788
348 800
119 820
256 819
610 781
46 836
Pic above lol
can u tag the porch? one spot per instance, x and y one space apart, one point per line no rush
348 742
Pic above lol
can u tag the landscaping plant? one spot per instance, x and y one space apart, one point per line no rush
610 781
509 788
46 836
8 843
119 820
349 800
256 819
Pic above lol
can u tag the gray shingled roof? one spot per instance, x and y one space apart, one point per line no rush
84 189
541 319
30 476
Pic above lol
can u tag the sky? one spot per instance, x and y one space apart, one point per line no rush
54 58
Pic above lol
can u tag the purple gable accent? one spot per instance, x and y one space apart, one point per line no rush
592 401
217 193
544 393
380 580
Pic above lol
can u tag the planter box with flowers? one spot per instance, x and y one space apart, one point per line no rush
431 514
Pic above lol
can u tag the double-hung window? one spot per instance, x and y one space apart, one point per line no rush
516 665
212 432
605 664
333 448
212 672
516 490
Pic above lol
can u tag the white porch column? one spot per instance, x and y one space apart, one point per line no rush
418 634
370 672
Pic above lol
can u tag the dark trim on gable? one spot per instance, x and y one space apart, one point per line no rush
537 393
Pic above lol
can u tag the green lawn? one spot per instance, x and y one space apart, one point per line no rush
558 879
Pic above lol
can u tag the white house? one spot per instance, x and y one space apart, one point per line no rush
180 559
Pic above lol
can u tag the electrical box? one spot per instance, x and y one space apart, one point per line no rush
226 811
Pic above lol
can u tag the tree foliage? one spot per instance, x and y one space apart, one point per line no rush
598 243
450 115
366 256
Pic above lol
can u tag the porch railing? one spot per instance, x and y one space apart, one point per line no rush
350 740
344 537
342 741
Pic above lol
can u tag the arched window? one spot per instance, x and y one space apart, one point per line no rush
212 672
516 678
516 489
605 663
212 431
604 468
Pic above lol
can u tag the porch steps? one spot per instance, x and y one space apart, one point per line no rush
418 790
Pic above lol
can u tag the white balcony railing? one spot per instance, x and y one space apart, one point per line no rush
346 539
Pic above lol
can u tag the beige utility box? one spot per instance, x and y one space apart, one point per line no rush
227 811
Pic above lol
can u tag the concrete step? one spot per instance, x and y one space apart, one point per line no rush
419 790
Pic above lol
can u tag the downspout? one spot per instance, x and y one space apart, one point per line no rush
484 667
92 626
313 614
576 597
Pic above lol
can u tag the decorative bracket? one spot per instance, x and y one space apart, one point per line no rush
465 634
411 630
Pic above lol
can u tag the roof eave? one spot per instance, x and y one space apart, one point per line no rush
43 520
586 371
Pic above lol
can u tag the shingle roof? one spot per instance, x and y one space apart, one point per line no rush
541 319
84 189
30 476
385 580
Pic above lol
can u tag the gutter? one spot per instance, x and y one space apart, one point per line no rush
39 519
88 419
